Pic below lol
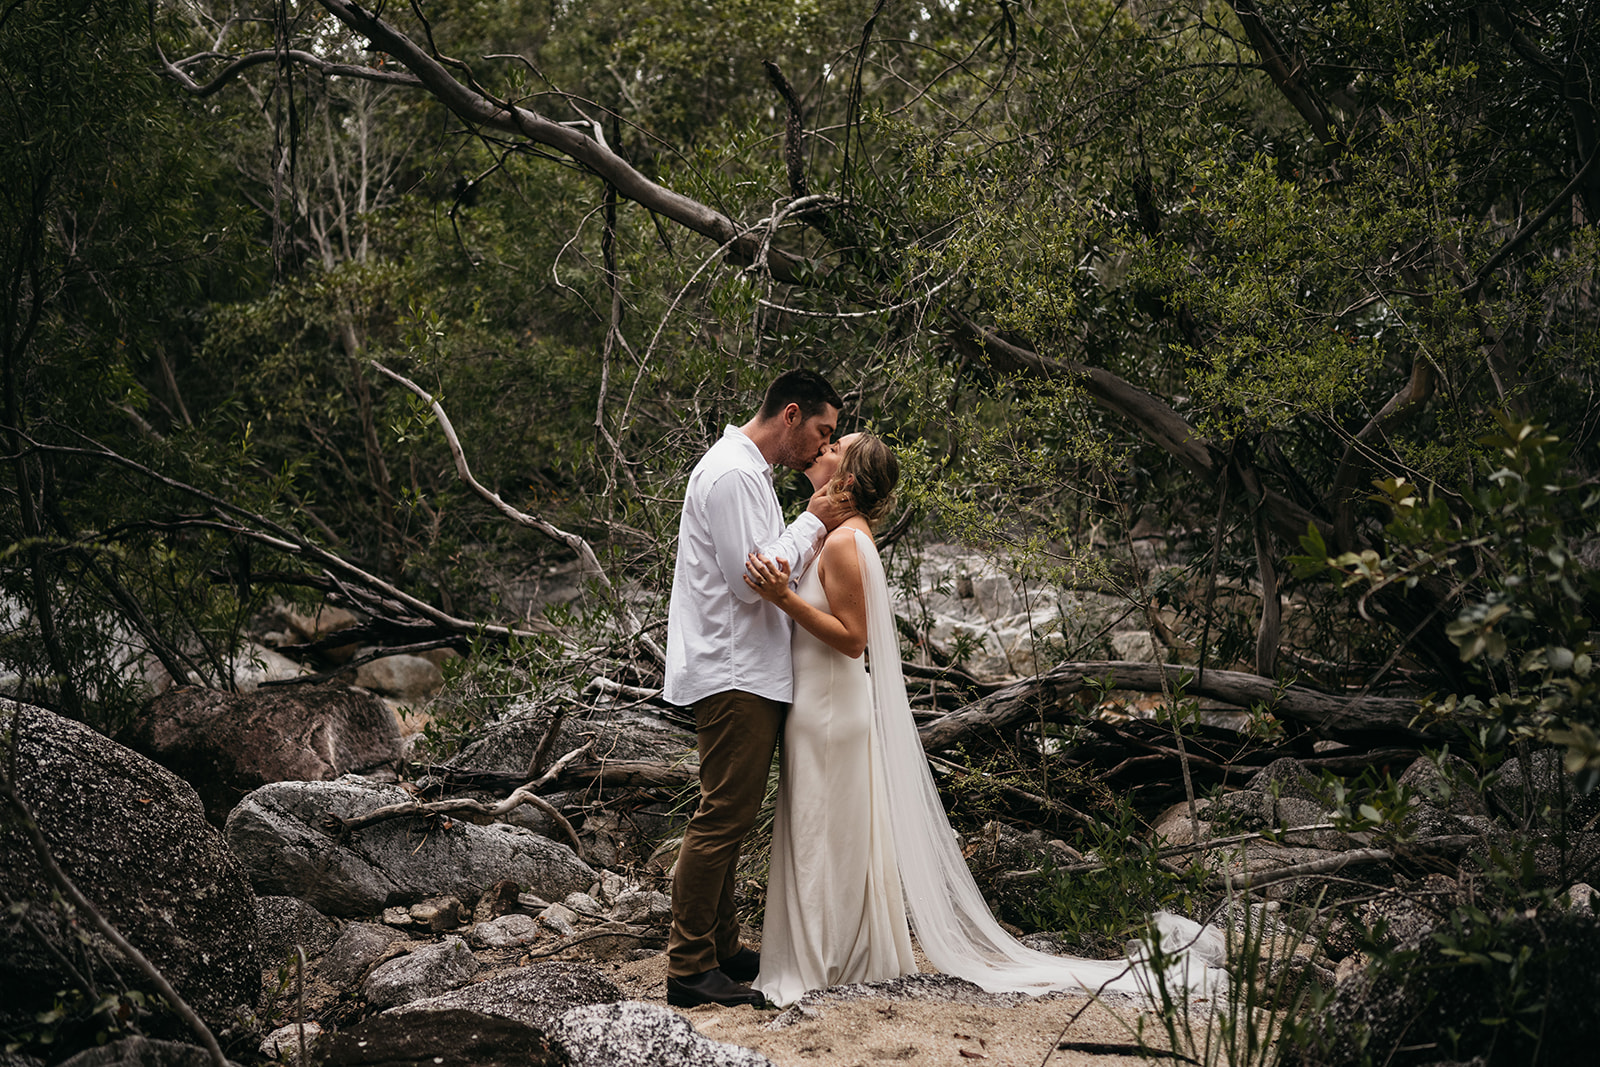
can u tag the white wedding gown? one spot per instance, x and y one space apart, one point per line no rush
861 842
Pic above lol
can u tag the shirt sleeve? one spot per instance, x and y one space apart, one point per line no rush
735 508
798 544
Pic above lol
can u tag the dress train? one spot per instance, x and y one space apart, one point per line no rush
861 845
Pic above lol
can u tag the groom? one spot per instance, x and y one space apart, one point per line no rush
728 659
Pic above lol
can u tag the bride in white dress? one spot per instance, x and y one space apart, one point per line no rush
860 840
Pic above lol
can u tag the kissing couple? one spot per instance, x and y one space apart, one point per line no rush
788 629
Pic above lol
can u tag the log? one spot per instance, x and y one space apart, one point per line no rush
613 774
1052 695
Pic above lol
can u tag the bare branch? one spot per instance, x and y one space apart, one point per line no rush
239 64
1328 714
586 557
520 796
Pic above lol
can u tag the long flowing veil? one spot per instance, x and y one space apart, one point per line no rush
948 914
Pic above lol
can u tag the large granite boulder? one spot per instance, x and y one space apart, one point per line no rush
289 924
426 971
537 995
359 948
133 838
279 835
142 1052
644 1035
227 744
457 1038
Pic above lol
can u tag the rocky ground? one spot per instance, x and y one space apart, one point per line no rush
901 1023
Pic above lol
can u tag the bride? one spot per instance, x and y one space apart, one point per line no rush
862 851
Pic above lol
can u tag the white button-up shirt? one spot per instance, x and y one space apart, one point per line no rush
720 634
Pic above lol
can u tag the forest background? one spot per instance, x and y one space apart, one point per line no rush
1310 288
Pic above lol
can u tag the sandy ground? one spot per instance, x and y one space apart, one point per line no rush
862 1032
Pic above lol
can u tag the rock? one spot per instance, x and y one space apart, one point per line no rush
507 931
284 1042
500 899
1137 646
1249 810
560 918
642 906
439 914
536 996
613 885
426 971
456 1038
398 917
1427 1006
358 949
644 1035
1582 897
285 922
134 839
1552 799
141 1052
1175 827
1451 787
276 832
583 904
605 841
318 623
1285 777
254 664
507 746
227 744
609 939
402 676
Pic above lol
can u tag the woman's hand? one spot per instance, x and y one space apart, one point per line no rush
768 577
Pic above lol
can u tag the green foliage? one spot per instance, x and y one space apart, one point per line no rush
1508 544
1271 984
1110 902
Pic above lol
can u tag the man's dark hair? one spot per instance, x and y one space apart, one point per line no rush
804 387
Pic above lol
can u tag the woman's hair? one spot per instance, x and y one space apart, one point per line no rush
876 469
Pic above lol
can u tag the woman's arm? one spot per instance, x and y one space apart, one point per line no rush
844 629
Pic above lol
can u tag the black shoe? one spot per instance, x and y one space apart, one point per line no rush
711 987
742 966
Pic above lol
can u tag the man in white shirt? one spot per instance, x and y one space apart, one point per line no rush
728 659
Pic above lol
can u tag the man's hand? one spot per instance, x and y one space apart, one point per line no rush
826 508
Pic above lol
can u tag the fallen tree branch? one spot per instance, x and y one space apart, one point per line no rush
1052 696
334 825
365 590
592 935
608 774
1354 857
561 764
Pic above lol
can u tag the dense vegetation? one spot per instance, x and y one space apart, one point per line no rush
1219 268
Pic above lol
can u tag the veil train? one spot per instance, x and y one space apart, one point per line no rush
948 914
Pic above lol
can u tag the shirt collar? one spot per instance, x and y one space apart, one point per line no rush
749 446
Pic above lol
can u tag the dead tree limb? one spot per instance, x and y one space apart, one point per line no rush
1053 694
340 827
608 774
590 563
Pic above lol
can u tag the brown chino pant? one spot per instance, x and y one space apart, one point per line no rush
738 732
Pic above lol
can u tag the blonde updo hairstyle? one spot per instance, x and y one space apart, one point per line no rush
865 480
